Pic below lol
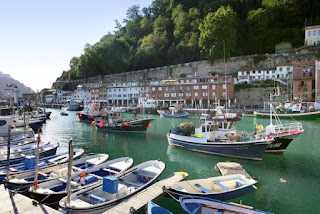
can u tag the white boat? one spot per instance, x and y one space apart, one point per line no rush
90 112
54 190
22 181
5 122
113 190
73 106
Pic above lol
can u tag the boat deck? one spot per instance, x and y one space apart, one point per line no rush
153 192
230 168
17 203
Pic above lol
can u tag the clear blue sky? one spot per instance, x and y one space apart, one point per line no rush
39 37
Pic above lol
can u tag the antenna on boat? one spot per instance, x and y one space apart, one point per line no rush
8 151
37 162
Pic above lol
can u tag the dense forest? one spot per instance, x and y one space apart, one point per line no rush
177 31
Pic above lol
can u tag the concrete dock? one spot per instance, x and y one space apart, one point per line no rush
152 193
17 203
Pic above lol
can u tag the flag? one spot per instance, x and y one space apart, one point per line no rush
306 69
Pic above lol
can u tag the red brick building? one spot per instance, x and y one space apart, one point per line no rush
304 80
193 91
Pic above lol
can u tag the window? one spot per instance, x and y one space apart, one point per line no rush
213 95
204 87
196 94
188 94
173 88
173 94
180 94
314 33
280 69
224 86
318 32
309 33
223 94
167 88
153 89
298 74
160 89
196 87
188 87
166 94
3 122
304 74
214 87
302 83
205 94
310 74
288 68
267 72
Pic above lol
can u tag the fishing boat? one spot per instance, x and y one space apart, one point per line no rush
203 205
29 163
18 153
293 110
113 190
221 187
73 106
5 122
153 208
173 112
111 121
22 181
90 112
54 190
205 138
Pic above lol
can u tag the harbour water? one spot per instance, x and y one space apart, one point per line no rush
287 183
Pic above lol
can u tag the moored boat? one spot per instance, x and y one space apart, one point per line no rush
206 139
173 112
29 163
111 121
221 187
54 190
18 153
113 190
90 112
153 208
202 205
22 181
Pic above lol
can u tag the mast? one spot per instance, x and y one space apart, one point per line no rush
69 172
225 73
37 163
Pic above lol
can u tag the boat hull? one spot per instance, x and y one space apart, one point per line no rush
85 118
218 196
314 115
245 150
50 152
133 126
280 143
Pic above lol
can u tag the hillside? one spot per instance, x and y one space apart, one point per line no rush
7 79
171 32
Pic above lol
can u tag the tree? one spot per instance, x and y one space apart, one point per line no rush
216 28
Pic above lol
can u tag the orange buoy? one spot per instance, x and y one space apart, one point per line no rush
149 125
93 123
82 175
76 114
127 124
101 124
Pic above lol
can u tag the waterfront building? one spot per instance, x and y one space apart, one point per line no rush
81 94
192 91
103 93
312 35
123 93
256 74
64 96
304 80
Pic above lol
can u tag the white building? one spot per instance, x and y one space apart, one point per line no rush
64 96
123 94
284 71
81 94
256 74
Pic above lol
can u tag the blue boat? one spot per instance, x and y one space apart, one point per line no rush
156 209
173 113
43 162
201 205
221 187
205 139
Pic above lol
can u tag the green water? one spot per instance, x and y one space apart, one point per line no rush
299 165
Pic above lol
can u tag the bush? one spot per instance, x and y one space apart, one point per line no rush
257 59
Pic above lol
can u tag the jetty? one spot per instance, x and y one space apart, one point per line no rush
152 193
12 202
230 168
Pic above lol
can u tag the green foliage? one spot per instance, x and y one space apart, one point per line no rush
179 31
256 84
183 75
218 30
317 55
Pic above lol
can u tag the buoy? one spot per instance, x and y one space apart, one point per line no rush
126 124
76 114
82 175
149 125
93 123
121 125
101 124
91 117
81 115
283 180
